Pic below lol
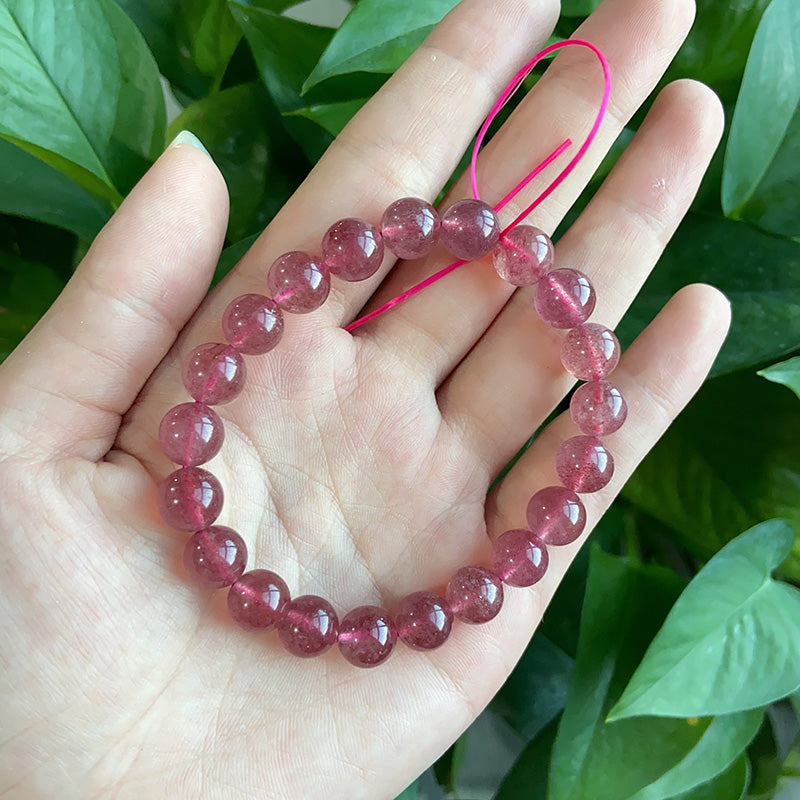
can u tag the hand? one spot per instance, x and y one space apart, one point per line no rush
354 466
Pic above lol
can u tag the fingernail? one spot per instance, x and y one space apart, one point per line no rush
187 137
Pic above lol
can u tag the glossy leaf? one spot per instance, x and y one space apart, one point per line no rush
786 373
731 642
730 785
409 793
760 182
332 117
528 777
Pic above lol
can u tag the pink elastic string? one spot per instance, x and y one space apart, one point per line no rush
506 95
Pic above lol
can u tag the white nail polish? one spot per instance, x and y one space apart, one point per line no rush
187 137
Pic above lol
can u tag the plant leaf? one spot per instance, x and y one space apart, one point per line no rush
730 785
786 373
409 793
528 777
732 640
332 117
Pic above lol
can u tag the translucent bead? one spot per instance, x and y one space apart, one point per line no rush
475 594
519 557
556 515
564 298
214 373
191 434
257 599
352 249
470 229
298 282
423 620
598 408
523 255
590 351
367 636
215 557
584 464
253 324
308 626
190 499
410 227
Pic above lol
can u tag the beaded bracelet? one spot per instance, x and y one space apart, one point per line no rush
191 498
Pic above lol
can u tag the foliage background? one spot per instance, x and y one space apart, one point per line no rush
711 711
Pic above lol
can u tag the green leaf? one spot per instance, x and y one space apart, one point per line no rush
761 182
730 785
377 36
786 373
732 640
409 793
578 8
528 777
332 117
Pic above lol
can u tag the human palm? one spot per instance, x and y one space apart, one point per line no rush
356 466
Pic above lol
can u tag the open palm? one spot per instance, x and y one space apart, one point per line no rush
356 466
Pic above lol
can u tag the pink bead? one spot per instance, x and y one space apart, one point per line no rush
298 282
215 557
584 464
523 255
308 626
352 249
590 351
214 373
253 324
470 229
423 620
191 434
410 228
257 599
565 298
519 557
367 636
190 499
475 594
598 408
556 515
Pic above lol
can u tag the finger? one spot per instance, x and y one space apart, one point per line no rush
513 378
639 37
66 386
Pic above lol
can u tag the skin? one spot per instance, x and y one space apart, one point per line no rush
355 466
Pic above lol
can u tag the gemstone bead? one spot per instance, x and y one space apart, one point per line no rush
190 499
598 408
556 515
352 249
191 434
257 599
308 626
590 351
215 557
519 557
253 324
367 636
298 282
523 255
410 227
423 620
564 298
470 229
584 464
475 594
214 373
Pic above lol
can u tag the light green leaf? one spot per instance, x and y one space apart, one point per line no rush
786 373
730 785
332 117
732 640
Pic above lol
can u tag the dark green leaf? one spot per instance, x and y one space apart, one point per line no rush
786 373
730 785
527 779
332 117
448 764
766 764
409 793
761 182
230 257
578 8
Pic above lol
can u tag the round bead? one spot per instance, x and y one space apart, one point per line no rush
470 229
519 557
410 227
565 298
215 557
367 636
257 599
190 499
352 249
423 620
214 373
298 282
191 434
253 324
584 464
598 408
590 351
475 594
308 626
523 255
556 515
